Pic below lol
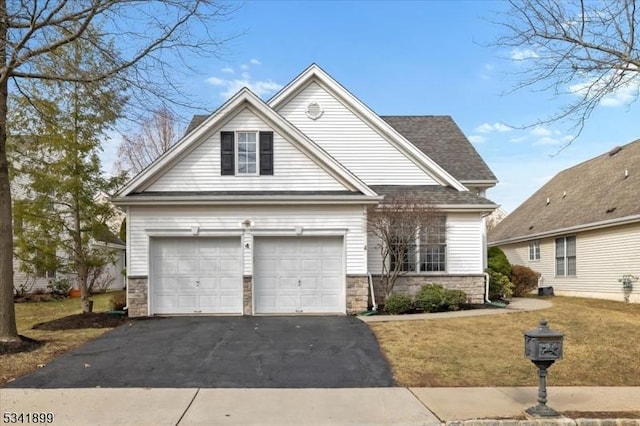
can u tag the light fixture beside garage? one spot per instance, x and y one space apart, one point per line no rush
195 230
299 230
247 223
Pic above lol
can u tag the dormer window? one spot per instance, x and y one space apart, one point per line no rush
246 152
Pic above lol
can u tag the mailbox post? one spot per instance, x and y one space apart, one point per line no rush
543 347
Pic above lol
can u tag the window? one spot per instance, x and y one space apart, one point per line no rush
247 153
565 256
426 252
534 250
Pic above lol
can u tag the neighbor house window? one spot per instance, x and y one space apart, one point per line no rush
426 252
247 153
534 250
566 256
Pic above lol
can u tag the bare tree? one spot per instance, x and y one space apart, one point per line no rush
403 223
585 49
155 136
150 35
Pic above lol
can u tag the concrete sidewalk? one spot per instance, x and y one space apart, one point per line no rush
518 304
366 406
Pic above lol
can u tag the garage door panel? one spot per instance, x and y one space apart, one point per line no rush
299 274
196 275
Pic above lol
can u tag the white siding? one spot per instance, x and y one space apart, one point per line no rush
200 169
464 246
352 141
602 257
267 221
464 243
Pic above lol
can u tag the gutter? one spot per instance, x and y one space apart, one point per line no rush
555 232
244 200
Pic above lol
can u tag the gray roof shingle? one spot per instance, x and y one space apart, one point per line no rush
593 191
440 138
435 194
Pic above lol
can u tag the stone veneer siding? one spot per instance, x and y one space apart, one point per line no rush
472 285
137 296
357 293
247 295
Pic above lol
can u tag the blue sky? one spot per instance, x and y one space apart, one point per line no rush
413 58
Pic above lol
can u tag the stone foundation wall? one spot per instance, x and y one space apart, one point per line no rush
472 285
247 295
137 296
357 293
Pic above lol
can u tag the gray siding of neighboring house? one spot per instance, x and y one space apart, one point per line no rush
603 256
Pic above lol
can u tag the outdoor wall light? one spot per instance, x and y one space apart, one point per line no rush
543 347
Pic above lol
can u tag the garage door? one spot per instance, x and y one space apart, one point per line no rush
299 275
196 275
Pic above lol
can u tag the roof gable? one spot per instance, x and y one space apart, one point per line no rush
201 128
315 74
599 191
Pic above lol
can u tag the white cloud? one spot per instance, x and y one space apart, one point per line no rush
541 131
522 54
216 81
259 87
477 139
627 92
232 85
495 127
518 139
546 140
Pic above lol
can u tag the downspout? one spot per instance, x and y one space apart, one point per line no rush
486 294
373 295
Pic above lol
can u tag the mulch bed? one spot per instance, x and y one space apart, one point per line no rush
86 320
23 344
602 414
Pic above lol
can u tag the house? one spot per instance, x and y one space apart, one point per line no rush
581 230
261 208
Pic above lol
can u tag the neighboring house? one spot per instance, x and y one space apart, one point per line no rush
581 230
262 207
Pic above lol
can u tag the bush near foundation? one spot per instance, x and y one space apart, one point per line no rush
524 280
435 298
398 304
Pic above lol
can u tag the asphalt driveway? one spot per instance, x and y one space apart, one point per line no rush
223 352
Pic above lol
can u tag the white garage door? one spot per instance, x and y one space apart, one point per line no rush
299 275
196 275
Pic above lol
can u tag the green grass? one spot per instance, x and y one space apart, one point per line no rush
57 342
600 347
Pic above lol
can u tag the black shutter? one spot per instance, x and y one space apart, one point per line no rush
227 156
266 153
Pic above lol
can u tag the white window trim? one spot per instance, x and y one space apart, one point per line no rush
565 257
237 152
417 252
533 245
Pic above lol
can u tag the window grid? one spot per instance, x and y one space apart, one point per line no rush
534 250
428 252
566 256
247 158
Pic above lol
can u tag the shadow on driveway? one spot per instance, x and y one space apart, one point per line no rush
223 352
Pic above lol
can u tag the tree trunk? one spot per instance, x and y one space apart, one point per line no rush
8 328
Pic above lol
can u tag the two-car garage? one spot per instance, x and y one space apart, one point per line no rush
204 275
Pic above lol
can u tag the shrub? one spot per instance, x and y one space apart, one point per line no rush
431 298
59 287
398 304
118 302
497 261
454 298
524 280
499 285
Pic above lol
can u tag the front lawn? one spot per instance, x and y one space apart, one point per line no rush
56 341
600 347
